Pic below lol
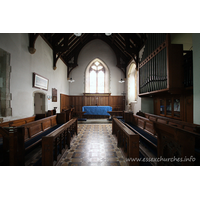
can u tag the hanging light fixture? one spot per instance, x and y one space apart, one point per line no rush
108 34
78 34
121 81
71 80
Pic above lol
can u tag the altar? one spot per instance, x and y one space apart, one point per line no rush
96 110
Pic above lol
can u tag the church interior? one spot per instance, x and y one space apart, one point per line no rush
61 91
111 111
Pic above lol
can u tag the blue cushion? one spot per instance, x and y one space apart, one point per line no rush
119 117
122 120
82 119
144 133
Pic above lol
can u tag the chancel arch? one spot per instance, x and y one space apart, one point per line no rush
97 77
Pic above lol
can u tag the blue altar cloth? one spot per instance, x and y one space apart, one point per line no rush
96 110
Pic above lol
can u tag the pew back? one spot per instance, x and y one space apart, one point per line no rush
18 122
195 128
144 124
54 144
127 140
174 142
36 127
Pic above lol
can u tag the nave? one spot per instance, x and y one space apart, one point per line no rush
93 146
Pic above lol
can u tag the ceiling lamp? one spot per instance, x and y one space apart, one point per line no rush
71 80
78 34
108 34
121 81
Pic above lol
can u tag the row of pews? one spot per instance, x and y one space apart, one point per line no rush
54 132
162 141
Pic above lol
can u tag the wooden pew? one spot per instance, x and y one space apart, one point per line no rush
17 140
13 146
55 144
116 113
166 136
127 140
68 113
195 128
175 143
18 122
147 127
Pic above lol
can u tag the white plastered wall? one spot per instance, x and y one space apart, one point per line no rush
96 49
23 64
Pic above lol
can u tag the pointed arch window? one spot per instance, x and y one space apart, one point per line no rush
132 83
97 77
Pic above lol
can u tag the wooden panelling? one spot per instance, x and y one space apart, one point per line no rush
64 102
116 102
188 114
76 102
186 105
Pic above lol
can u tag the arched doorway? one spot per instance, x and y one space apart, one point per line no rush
39 103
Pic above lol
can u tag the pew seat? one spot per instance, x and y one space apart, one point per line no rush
17 141
151 139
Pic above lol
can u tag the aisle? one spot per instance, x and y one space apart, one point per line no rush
94 146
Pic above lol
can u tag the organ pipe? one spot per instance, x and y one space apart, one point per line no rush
153 66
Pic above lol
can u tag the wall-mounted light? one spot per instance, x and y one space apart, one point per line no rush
71 80
122 81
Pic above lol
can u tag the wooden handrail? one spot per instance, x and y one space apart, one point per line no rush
61 138
127 140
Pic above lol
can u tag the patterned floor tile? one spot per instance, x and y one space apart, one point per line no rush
94 146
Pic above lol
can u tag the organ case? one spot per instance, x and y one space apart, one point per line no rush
160 68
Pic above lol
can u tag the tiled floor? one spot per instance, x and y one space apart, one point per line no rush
94 146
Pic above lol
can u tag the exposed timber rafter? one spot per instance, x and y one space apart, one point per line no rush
67 46
32 39
60 46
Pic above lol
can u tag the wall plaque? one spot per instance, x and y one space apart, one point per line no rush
54 95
